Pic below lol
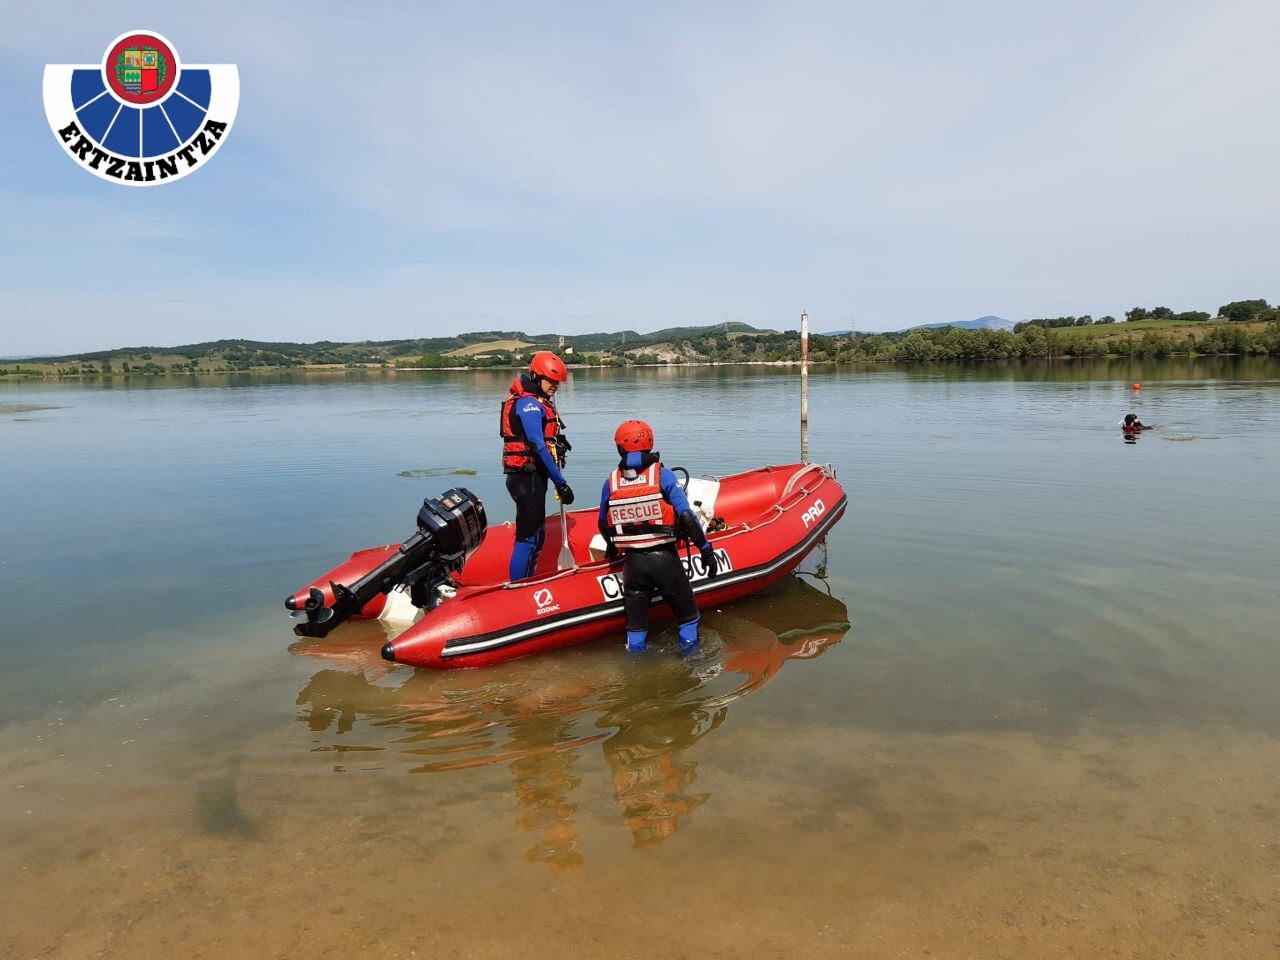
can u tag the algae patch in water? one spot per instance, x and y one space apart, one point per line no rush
438 472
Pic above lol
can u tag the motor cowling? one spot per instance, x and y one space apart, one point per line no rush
450 528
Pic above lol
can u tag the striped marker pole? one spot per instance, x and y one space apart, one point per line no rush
804 387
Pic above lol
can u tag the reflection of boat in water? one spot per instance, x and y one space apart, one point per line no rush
538 715
762 524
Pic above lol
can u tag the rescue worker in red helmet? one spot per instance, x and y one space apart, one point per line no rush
533 453
643 512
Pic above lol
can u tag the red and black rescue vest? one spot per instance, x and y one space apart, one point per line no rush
517 452
638 512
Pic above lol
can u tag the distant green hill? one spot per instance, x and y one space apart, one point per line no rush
478 348
321 351
1242 327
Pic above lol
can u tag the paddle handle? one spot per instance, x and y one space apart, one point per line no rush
566 555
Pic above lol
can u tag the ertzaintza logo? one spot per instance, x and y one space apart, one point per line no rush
141 117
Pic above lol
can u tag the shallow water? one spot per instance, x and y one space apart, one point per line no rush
1032 711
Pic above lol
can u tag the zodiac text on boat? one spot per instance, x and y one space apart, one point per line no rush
611 583
545 601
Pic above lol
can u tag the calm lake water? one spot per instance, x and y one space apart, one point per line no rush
1033 710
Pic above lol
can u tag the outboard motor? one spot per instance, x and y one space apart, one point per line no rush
450 528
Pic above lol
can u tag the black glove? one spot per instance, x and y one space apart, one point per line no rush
565 493
611 551
709 561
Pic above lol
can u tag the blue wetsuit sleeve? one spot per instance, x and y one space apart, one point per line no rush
671 490
602 520
533 420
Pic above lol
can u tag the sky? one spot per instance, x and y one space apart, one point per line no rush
424 169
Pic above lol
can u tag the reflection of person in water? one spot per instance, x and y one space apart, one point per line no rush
660 714
540 744
665 708
334 693
544 782
539 717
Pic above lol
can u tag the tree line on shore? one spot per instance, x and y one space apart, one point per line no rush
1246 327
1036 342
1032 339
1236 311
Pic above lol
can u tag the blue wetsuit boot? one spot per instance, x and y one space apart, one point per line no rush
689 636
635 640
524 557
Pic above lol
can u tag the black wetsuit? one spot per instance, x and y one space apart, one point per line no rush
529 491
656 570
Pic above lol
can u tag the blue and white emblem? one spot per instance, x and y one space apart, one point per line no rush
141 117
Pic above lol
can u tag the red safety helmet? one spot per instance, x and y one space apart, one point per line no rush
547 364
634 435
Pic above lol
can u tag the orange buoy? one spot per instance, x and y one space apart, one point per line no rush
1137 387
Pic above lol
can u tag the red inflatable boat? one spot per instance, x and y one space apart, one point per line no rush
762 524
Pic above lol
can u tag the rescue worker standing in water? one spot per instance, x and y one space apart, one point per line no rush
643 511
533 449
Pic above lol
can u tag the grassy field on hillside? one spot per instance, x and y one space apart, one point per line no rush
488 346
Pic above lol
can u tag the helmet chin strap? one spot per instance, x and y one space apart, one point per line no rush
533 383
